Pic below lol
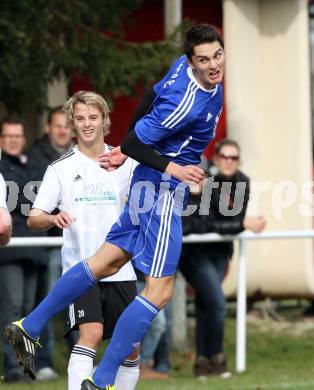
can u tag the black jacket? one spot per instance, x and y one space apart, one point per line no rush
43 153
217 209
18 172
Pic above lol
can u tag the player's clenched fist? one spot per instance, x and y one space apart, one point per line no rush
112 160
187 173
61 220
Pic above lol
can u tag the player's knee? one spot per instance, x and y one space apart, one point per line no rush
160 298
165 299
107 262
158 291
92 336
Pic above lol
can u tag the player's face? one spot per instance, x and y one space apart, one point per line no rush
59 133
12 139
207 64
89 124
227 160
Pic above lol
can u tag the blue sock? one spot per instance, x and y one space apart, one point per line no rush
130 329
68 288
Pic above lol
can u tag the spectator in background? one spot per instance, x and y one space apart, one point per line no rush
56 141
5 218
19 267
205 265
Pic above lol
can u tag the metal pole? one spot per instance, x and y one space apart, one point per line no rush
172 15
172 19
35 241
241 310
179 316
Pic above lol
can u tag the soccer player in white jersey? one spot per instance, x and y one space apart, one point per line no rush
90 200
5 218
168 142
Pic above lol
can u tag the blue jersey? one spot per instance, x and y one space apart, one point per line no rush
180 125
183 118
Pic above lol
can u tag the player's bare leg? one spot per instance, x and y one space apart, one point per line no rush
108 260
158 290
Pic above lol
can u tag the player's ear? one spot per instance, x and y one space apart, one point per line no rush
190 62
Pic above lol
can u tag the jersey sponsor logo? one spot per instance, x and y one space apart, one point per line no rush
93 194
209 117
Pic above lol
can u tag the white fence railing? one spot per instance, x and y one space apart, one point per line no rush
209 237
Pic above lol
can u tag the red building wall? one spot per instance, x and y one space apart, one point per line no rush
148 25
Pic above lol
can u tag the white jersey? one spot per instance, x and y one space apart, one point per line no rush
93 197
3 193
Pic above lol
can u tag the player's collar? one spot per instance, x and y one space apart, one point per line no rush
191 76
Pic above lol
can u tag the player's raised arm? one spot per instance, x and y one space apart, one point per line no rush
145 154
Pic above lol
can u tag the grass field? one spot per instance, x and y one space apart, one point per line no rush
280 355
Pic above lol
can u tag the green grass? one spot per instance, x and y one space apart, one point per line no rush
280 355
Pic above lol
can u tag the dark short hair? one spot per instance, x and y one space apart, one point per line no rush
199 34
52 111
225 142
10 120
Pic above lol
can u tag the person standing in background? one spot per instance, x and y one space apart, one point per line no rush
56 141
205 265
19 267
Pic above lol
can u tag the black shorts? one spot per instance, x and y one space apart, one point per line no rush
103 303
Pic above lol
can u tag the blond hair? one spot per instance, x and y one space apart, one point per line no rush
89 99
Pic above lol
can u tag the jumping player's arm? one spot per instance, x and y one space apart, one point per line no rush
47 199
133 146
5 218
154 127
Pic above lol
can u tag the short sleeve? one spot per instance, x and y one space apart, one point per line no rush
3 193
169 116
49 194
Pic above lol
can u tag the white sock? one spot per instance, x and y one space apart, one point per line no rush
128 374
80 366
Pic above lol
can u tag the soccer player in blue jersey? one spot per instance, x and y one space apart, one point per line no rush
176 121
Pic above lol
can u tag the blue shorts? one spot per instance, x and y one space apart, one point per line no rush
150 229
